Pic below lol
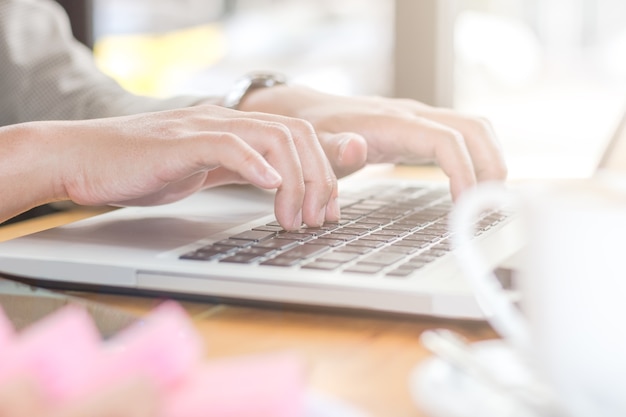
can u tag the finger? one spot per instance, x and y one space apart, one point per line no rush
222 176
319 179
480 138
184 170
346 152
418 138
447 148
275 142
210 150
292 147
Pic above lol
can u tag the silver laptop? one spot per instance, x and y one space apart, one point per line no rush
390 252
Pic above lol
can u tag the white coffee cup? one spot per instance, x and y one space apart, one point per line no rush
572 282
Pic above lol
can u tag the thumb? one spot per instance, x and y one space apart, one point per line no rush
346 151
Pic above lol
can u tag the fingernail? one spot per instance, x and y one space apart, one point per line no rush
321 216
341 149
297 222
333 206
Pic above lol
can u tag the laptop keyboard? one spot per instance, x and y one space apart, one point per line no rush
393 230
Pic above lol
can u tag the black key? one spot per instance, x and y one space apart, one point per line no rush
400 272
341 257
383 258
367 243
323 265
330 226
422 257
199 256
219 248
361 250
304 251
330 242
267 228
346 237
365 268
436 253
402 248
354 231
276 243
254 235
241 258
281 261
377 237
299 235
255 250
232 242
360 226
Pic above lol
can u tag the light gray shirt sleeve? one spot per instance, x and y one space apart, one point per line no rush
45 74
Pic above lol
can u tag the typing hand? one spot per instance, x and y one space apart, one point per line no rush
161 157
357 130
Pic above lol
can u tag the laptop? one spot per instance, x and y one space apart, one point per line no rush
390 252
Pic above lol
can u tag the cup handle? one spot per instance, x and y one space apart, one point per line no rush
495 304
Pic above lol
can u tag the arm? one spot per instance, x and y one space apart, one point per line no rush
48 75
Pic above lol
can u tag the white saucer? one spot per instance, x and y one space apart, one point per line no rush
441 390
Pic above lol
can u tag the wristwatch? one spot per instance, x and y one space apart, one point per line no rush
251 82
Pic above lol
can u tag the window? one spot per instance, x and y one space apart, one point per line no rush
550 74
194 46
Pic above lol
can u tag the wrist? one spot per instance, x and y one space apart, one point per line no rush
28 169
286 100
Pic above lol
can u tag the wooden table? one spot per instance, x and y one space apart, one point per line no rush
364 360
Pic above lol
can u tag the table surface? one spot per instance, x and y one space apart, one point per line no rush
364 360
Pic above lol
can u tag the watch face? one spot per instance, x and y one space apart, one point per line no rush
250 82
269 79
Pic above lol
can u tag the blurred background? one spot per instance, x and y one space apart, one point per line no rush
549 74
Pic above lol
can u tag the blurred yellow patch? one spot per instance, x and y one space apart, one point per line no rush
153 64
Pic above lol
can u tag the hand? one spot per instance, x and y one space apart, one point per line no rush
161 157
357 130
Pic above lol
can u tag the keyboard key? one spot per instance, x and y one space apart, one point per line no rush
361 250
330 242
382 258
232 242
365 268
255 250
276 243
241 258
299 235
254 235
199 256
402 247
323 265
373 244
267 228
304 251
281 261
400 272
342 257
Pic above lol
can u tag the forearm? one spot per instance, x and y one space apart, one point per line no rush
29 168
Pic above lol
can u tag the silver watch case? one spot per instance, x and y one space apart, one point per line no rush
250 82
